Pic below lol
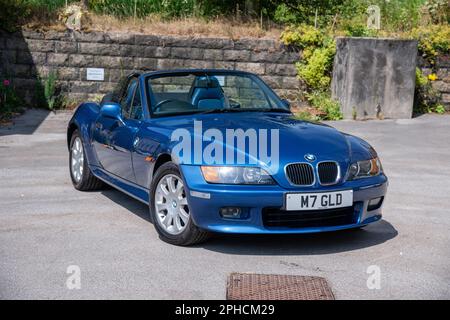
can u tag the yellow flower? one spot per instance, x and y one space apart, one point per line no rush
432 77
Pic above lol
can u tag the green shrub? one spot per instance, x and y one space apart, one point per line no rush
165 8
303 36
306 116
421 79
17 12
323 102
125 8
432 40
50 90
439 109
400 15
316 66
439 11
426 98
300 11
359 30
316 69
12 13
318 50
285 15
396 15
48 94
318 54
10 102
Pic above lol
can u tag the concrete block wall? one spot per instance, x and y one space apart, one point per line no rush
374 77
26 55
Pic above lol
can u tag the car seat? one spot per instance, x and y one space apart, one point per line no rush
206 93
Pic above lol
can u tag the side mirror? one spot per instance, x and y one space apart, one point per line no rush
109 97
286 103
111 110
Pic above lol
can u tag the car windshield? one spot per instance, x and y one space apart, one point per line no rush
172 94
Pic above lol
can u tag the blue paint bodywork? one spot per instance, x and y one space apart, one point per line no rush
117 152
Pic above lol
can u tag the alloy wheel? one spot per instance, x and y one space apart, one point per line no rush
171 205
77 163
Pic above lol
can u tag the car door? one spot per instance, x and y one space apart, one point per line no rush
115 138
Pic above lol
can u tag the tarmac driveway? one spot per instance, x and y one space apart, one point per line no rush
46 226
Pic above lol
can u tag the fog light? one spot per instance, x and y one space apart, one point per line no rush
232 213
375 204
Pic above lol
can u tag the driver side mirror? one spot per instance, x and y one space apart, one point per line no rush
286 103
112 110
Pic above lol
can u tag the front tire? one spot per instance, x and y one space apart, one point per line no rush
81 175
170 210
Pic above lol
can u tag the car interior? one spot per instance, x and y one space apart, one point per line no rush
205 93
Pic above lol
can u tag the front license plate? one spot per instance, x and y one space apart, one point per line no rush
317 201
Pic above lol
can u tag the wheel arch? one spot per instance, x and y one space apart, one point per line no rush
162 158
83 120
70 130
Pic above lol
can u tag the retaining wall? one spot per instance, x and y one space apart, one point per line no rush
26 55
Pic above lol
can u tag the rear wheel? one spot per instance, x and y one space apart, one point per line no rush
170 209
81 175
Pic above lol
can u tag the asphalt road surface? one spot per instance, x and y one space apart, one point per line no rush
47 226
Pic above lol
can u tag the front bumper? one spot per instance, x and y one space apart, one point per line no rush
205 212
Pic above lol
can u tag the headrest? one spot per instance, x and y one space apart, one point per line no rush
206 82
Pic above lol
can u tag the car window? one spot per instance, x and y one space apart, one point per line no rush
127 98
172 88
203 91
118 90
244 92
136 107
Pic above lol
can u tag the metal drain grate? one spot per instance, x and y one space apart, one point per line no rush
249 286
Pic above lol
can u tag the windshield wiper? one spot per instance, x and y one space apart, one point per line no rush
225 110
267 110
219 110
279 110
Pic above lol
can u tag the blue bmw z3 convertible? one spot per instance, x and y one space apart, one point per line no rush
219 151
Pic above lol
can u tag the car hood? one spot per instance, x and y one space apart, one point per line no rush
296 137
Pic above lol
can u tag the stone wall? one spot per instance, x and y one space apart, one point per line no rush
442 70
27 55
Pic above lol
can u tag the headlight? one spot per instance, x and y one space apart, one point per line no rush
366 168
236 175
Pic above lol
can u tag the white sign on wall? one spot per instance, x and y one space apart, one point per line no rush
96 74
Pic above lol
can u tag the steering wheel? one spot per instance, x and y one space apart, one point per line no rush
159 104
